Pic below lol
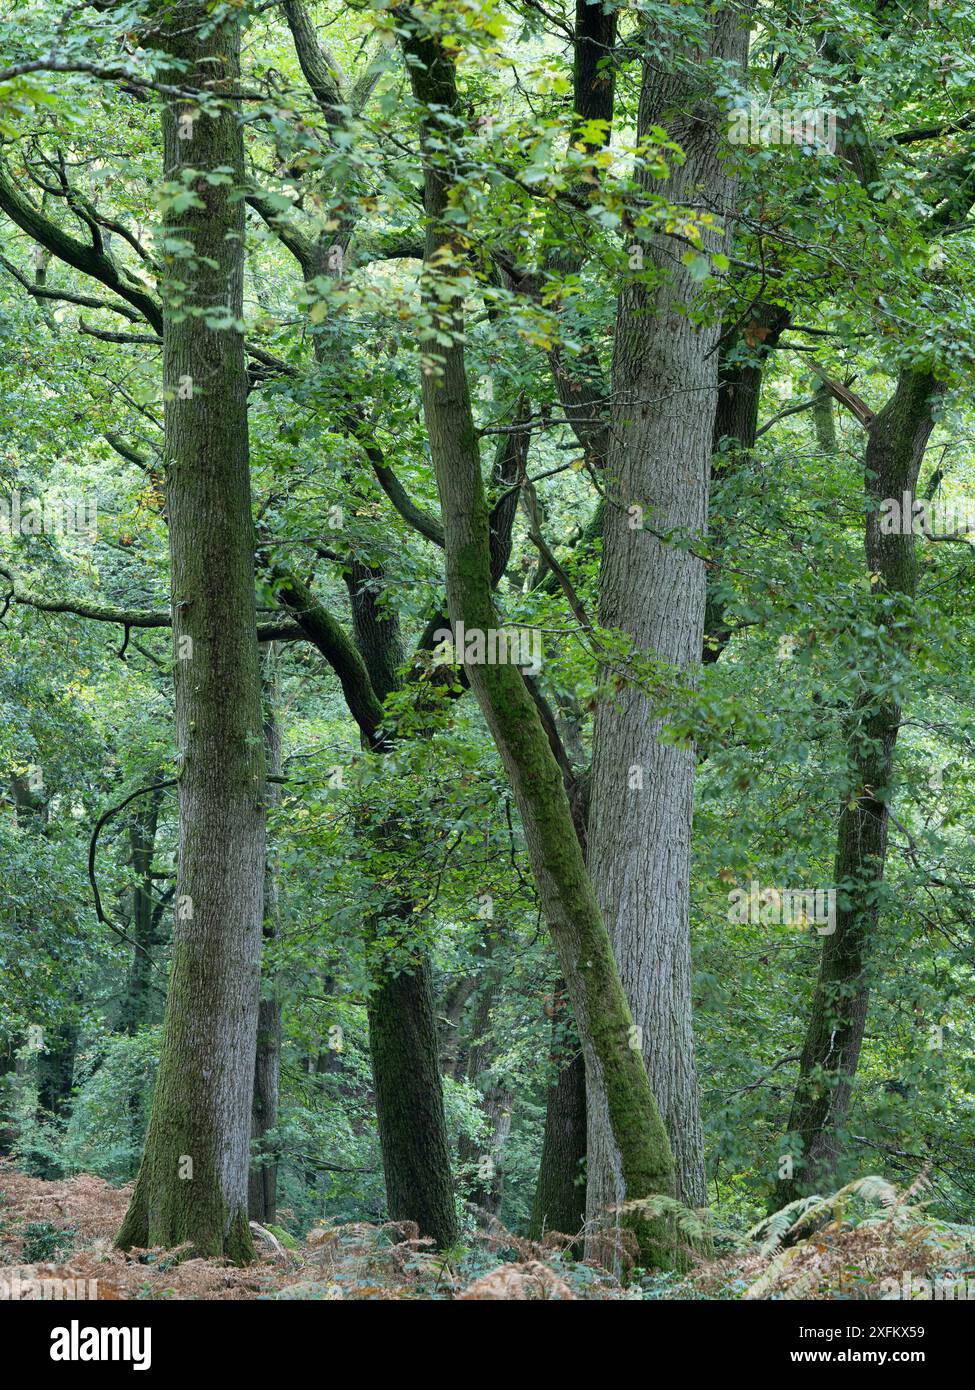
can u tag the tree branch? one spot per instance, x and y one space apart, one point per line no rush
88 259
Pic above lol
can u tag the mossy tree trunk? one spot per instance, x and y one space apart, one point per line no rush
896 441
409 1100
192 1185
565 891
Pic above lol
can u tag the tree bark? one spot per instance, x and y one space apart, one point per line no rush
665 380
192 1185
824 423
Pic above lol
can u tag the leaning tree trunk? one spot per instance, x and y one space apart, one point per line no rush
565 891
262 1186
665 382
192 1185
896 440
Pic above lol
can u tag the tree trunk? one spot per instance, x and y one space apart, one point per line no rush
142 845
409 1102
192 1185
665 379
451 1014
262 1184
560 1195
55 1069
487 1192
896 440
565 891
403 1040
560 1190
58 1041
8 1082
55 1078
741 366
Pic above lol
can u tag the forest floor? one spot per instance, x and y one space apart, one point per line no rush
64 1230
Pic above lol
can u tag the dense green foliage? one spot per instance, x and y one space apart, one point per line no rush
872 256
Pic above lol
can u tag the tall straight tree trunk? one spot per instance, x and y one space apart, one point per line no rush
896 440
565 891
665 381
192 1185
262 1187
